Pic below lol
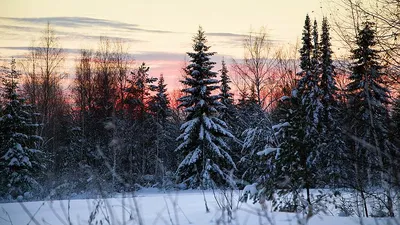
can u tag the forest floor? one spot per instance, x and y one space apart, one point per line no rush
153 207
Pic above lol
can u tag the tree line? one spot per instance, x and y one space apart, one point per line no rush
292 128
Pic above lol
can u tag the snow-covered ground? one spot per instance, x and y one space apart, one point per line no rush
155 207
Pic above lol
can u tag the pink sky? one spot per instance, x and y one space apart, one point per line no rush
157 32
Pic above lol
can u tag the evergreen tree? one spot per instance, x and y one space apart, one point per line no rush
368 95
138 99
316 50
395 137
20 159
252 125
368 114
161 127
231 114
396 122
296 159
207 162
225 95
254 165
333 148
138 92
159 103
328 83
291 168
305 52
308 91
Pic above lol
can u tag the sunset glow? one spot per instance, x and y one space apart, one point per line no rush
156 32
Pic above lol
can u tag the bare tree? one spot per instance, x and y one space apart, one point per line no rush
50 57
99 94
256 67
83 92
283 76
105 78
123 64
31 79
42 83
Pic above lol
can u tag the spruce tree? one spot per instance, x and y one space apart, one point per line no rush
161 127
328 83
333 148
368 114
308 90
138 99
305 53
290 174
138 92
368 96
159 103
396 122
296 159
20 159
207 162
315 50
252 125
225 94
395 137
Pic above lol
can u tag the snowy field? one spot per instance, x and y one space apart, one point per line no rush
154 207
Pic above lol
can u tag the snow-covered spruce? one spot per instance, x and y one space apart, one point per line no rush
207 162
225 95
20 158
368 116
301 113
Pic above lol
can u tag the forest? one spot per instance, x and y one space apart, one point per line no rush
282 121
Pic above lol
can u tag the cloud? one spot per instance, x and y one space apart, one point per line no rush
159 56
227 35
11 32
20 28
76 35
25 48
81 22
70 21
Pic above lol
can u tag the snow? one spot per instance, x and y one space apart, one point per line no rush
279 126
294 93
251 189
284 98
266 151
156 207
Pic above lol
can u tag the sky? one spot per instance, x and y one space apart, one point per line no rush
158 32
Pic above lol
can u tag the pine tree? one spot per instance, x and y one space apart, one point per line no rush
305 52
328 83
310 94
20 159
290 174
138 99
229 112
225 95
316 50
368 95
396 121
207 162
333 148
302 113
138 92
308 90
160 126
252 125
159 103
368 114
395 138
